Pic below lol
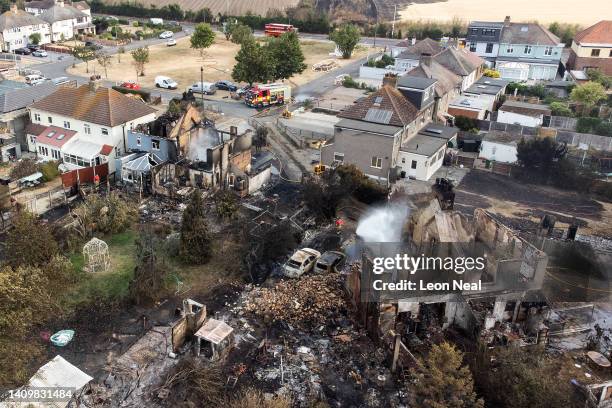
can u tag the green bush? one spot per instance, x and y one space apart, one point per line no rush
466 124
146 96
349 82
561 109
135 24
49 170
587 124
123 21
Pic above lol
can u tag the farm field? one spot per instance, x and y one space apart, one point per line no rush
232 7
545 11
183 63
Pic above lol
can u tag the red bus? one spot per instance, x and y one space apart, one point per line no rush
276 30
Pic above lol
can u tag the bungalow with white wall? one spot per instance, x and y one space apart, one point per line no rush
100 117
17 26
422 155
522 113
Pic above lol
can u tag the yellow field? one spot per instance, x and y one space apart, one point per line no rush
183 63
585 13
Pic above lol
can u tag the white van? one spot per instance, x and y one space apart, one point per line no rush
165 82
34 79
157 21
207 88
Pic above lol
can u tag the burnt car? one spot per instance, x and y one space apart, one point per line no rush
330 262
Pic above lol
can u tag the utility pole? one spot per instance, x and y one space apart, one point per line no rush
202 85
393 22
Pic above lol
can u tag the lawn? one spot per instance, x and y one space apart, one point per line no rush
111 285
182 63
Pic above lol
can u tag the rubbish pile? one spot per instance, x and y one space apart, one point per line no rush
309 302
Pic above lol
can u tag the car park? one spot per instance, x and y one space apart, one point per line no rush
165 82
330 262
301 262
226 86
171 42
207 88
23 51
166 34
130 85
40 53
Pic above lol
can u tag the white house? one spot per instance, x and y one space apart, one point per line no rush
99 117
16 27
422 155
37 7
522 113
499 146
66 21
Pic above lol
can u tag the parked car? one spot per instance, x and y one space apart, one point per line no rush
207 88
93 45
166 34
302 261
243 90
171 42
330 262
40 53
226 86
130 85
34 79
33 47
23 51
165 82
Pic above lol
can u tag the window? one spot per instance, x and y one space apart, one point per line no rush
37 117
510 49
413 165
610 54
473 47
66 124
376 162
104 131
527 49
595 52
49 119
138 141
339 157
489 48
155 144
403 160
548 50
87 129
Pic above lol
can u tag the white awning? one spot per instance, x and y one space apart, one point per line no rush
82 148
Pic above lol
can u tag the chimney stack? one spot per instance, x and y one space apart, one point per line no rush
59 3
13 8
426 59
93 84
507 21
390 79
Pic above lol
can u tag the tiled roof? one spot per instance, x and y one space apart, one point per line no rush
386 106
528 33
459 62
102 106
34 129
600 33
60 12
81 5
425 46
18 18
446 79
40 4
106 150
20 98
55 136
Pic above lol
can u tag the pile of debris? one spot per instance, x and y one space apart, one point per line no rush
309 302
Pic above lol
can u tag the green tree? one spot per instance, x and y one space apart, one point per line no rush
105 61
228 28
195 243
85 54
596 75
30 242
588 94
35 38
241 33
560 109
141 58
287 56
540 155
202 37
346 38
253 63
441 381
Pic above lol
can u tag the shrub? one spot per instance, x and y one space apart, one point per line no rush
23 168
135 24
123 21
466 124
49 170
560 109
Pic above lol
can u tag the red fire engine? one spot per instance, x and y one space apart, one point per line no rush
265 95
276 30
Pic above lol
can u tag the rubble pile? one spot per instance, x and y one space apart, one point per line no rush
308 302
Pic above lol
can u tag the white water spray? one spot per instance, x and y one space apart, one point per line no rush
383 224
